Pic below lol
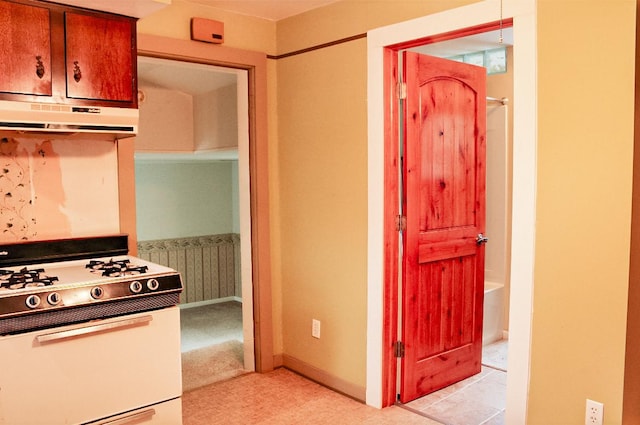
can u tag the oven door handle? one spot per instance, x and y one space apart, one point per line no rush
93 329
135 418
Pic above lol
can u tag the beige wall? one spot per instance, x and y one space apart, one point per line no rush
585 150
241 32
631 407
323 185
322 143
318 149
351 17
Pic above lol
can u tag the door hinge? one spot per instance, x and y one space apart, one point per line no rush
398 349
402 90
401 223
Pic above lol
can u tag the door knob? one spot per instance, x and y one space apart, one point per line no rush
481 239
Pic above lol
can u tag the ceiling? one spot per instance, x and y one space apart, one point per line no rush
187 77
273 10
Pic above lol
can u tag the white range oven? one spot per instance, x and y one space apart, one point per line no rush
88 335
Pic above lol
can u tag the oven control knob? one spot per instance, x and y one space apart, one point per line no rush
153 284
33 301
54 298
135 287
97 292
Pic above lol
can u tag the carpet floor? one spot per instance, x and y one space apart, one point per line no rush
211 364
210 324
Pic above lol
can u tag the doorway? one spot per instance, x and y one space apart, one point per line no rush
414 33
193 214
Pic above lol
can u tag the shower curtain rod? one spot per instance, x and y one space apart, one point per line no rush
502 101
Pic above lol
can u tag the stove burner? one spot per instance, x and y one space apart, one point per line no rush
115 268
25 278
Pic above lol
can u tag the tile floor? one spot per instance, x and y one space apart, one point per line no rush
479 400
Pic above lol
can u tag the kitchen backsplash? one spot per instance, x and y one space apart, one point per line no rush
55 188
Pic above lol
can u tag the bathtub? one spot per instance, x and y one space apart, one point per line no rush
492 326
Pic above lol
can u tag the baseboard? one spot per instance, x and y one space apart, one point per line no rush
321 377
207 302
277 361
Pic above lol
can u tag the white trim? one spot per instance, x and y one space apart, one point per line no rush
244 195
207 302
525 136
523 13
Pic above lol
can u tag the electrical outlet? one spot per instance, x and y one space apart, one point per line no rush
315 328
594 413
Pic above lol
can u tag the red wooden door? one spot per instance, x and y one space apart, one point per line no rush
25 49
444 204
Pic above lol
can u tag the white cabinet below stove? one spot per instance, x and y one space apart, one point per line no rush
167 413
94 371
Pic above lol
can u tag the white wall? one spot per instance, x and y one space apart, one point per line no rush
178 192
498 220
216 119
57 188
174 121
166 121
235 194
176 199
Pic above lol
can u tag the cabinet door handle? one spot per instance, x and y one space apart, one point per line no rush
39 67
93 329
77 73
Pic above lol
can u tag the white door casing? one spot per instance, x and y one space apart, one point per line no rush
523 13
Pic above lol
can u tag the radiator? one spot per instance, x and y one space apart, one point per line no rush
209 265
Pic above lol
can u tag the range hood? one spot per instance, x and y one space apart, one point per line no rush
56 118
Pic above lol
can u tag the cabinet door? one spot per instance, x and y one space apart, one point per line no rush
25 49
100 57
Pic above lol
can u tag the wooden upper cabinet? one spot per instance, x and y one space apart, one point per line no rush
99 60
52 53
25 49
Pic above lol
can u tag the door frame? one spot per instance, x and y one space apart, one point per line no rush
253 170
381 44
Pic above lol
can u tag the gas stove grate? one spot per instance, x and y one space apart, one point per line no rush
115 268
25 278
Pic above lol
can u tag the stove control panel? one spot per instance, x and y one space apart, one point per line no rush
136 287
54 298
60 296
33 301
96 292
153 284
